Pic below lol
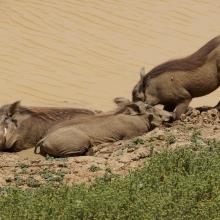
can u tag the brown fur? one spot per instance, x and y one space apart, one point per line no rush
27 125
188 63
75 138
176 82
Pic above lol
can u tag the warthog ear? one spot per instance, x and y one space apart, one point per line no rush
142 73
12 109
154 121
120 101
141 107
132 109
137 108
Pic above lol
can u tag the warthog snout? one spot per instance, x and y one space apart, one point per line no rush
167 118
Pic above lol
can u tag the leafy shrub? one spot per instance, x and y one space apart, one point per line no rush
138 141
94 168
181 184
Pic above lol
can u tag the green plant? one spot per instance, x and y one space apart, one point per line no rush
51 176
170 139
23 166
18 180
196 135
138 141
32 182
179 184
48 157
213 144
94 168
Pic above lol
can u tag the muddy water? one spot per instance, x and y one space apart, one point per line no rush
85 53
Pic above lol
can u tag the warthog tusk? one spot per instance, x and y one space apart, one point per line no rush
36 148
5 132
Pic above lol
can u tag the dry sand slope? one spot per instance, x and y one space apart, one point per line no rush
84 53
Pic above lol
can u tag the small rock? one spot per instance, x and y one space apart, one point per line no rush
114 165
62 165
161 137
183 117
126 158
2 181
143 152
130 149
9 179
88 159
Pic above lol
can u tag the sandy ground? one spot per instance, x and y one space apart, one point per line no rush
26 169
85 53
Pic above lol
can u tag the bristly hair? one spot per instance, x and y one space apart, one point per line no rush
47 113
188 63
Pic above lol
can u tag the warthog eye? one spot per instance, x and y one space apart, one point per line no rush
9 120
15 122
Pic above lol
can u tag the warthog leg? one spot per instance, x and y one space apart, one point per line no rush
189 111
181 108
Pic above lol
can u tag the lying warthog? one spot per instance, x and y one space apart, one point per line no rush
22 127
174 83
128 121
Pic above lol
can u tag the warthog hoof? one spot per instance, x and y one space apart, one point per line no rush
189 111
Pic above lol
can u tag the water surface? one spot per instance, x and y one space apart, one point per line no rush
85 53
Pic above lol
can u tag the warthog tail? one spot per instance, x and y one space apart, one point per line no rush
38 145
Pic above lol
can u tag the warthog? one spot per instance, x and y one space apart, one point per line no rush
22 127
174 83
128 121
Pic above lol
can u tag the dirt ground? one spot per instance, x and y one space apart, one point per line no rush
26 169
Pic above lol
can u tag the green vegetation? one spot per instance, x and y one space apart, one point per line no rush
52 176
138 141
180 184
94 168
170 139
31 182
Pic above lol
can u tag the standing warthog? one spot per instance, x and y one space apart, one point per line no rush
128 121
174 83
22 127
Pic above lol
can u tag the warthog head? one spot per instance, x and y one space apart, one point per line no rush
18 128
8 125
156 116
